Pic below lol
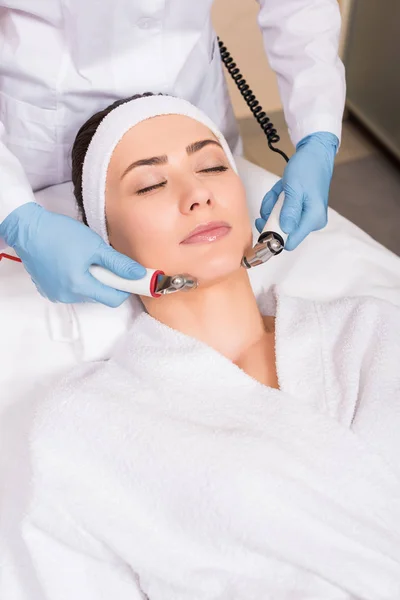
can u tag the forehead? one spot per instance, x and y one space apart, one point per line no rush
160 135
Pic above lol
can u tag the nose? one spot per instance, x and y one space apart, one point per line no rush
195 196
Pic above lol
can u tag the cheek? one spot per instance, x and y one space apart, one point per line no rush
236 203
137 230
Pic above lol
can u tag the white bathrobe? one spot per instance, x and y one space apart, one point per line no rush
168 473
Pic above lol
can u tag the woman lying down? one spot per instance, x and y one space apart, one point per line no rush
228 450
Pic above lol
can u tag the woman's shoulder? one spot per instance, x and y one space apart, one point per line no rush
61 412
361 356
362 314
71 421
358 331
360 346
68 390
79 435
349 324
331 312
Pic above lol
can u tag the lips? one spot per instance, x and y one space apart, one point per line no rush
207 233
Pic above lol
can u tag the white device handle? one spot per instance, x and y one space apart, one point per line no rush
272 223
143 287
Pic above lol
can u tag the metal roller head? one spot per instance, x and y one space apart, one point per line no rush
168 284
269 244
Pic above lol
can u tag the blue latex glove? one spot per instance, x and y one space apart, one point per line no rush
57 252
306 182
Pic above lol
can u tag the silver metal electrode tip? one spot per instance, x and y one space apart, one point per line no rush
262 251
244 263
275 245
169 284
177 281
184 282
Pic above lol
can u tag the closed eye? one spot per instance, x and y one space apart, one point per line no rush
151 188
219 169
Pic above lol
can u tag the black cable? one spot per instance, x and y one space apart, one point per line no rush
261 117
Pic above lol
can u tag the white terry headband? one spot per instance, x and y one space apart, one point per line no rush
110 131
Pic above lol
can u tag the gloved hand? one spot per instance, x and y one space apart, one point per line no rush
57 252
306 182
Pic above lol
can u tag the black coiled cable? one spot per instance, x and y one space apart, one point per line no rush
261 117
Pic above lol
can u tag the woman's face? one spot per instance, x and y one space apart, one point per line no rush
168 176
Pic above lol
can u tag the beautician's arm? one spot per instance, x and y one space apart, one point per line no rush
55 250
301 39
15 189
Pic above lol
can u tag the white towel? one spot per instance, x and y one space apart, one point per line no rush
169 473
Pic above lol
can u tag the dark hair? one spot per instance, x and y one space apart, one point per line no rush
81 144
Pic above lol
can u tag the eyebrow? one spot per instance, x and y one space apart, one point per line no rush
192 148
162 160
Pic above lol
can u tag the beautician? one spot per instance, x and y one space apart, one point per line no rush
62 61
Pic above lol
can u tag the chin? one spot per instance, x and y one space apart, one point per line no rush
217 268
207 263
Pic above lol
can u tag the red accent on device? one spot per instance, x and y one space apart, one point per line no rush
4 255
153 283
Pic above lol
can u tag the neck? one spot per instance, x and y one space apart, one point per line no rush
223 315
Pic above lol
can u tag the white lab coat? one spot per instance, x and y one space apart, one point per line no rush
62 60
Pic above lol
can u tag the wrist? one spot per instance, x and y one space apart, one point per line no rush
327 140
18 217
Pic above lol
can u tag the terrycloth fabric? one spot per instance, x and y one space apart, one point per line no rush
111 130
168 473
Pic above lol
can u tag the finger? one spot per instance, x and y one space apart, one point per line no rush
270 199
292 209
312 219
98 292
260 224
118 263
